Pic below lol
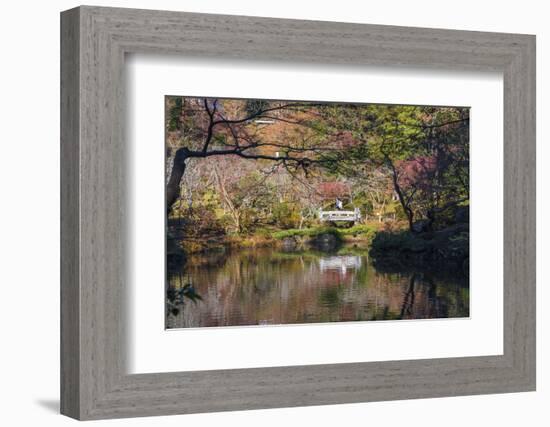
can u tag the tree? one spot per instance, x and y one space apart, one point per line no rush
209 127
424 149
232 153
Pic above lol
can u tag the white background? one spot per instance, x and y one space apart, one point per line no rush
152 348
29 182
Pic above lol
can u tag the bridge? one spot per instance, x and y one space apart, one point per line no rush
350 216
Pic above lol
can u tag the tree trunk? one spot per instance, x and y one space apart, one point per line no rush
410 218
233 211
406 208
173 186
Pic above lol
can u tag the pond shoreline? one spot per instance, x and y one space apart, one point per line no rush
389 250
177 239
263 286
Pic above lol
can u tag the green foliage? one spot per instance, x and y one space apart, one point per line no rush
174 113
286 215
404 241
306 232
450 244
254 105
373 150
365 231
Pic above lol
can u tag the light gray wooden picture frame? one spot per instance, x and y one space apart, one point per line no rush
94 382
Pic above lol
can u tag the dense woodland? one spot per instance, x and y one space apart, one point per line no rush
252 172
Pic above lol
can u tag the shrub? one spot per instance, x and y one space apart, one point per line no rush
450 244
359 230
286 215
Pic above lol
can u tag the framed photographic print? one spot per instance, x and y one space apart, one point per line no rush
279 211
292 213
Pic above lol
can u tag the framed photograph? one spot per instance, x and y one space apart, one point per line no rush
261 213
279 211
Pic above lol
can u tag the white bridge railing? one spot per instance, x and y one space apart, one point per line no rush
354 215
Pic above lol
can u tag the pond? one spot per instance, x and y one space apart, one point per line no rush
267 286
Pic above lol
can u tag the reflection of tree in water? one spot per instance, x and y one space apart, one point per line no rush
408 300
176 296
330 297
436 306
264 286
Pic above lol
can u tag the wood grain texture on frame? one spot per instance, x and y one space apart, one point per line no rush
94 240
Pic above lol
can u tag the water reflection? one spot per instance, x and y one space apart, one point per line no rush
342 263
265 286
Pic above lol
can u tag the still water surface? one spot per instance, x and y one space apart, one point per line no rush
266 286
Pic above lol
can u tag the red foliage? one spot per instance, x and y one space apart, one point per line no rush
333 189
344 139
417 172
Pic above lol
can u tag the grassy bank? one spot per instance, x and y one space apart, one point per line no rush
396 248
364 233
220 243
356 232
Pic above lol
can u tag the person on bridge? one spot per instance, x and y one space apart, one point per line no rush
339 204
